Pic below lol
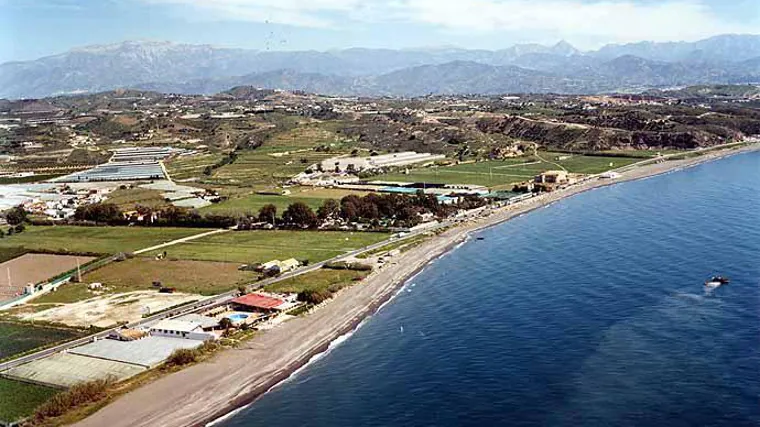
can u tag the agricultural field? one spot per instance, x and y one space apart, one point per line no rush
266 167
321 280
19 400
189 167
250 204
17 338
128 198
250 247
100 240
308 136
138 274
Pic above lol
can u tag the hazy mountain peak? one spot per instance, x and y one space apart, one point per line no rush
564 48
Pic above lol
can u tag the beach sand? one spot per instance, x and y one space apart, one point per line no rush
204 392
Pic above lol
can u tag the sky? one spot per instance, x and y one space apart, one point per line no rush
34 28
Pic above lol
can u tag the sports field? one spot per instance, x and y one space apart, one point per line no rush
505 173
99 240
249 247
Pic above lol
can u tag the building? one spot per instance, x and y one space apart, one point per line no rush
173 328
259 302
289 265
553 177
358 164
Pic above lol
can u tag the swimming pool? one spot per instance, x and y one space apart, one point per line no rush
237 317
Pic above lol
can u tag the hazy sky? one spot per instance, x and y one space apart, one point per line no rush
34 28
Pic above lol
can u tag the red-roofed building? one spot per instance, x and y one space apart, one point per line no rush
257 302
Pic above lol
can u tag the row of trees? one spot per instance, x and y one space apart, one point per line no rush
376 209
171 216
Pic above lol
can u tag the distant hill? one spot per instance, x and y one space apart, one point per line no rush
529 67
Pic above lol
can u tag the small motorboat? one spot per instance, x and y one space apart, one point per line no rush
480 238
717 281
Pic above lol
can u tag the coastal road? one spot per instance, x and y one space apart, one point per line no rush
204 303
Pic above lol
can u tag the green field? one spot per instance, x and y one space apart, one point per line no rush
11 252
19 400
101 240
505 173
17 338
320 280
265 167
249 247
138 274
188 167
250 204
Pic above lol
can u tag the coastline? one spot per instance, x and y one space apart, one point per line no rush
235 378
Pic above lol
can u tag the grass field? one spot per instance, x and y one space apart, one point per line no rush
101 240
249 247
138 274
19 400
505 173
250 204
323 279
18 338
10 252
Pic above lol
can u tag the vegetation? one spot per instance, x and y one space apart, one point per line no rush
323 281
250 204
17 338
251 247
88 240
20 400
76 396
11 252
195 277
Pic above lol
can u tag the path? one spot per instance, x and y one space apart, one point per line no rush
182 240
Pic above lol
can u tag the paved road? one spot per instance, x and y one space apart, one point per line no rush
204 303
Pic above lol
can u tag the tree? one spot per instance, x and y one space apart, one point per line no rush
242 289
20 228
301 215
313 296
99 212
329 209
225 323
268 213
16 215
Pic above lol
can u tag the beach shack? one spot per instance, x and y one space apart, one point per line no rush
259 303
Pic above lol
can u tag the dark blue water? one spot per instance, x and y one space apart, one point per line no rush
589 312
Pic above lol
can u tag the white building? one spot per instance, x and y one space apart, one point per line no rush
358 164
190 330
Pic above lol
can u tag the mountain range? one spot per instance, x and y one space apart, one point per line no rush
561 68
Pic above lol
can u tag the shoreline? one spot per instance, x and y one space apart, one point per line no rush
211 391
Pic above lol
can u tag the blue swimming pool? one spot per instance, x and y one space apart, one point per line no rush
237 317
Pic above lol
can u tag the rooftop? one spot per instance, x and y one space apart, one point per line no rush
259 301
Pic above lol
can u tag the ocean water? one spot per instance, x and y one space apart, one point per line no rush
589 312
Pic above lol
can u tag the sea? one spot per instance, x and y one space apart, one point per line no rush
588 312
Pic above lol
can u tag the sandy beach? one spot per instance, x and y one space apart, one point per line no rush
204 392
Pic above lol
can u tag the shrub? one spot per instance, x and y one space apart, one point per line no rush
314 296
181 357
76 396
